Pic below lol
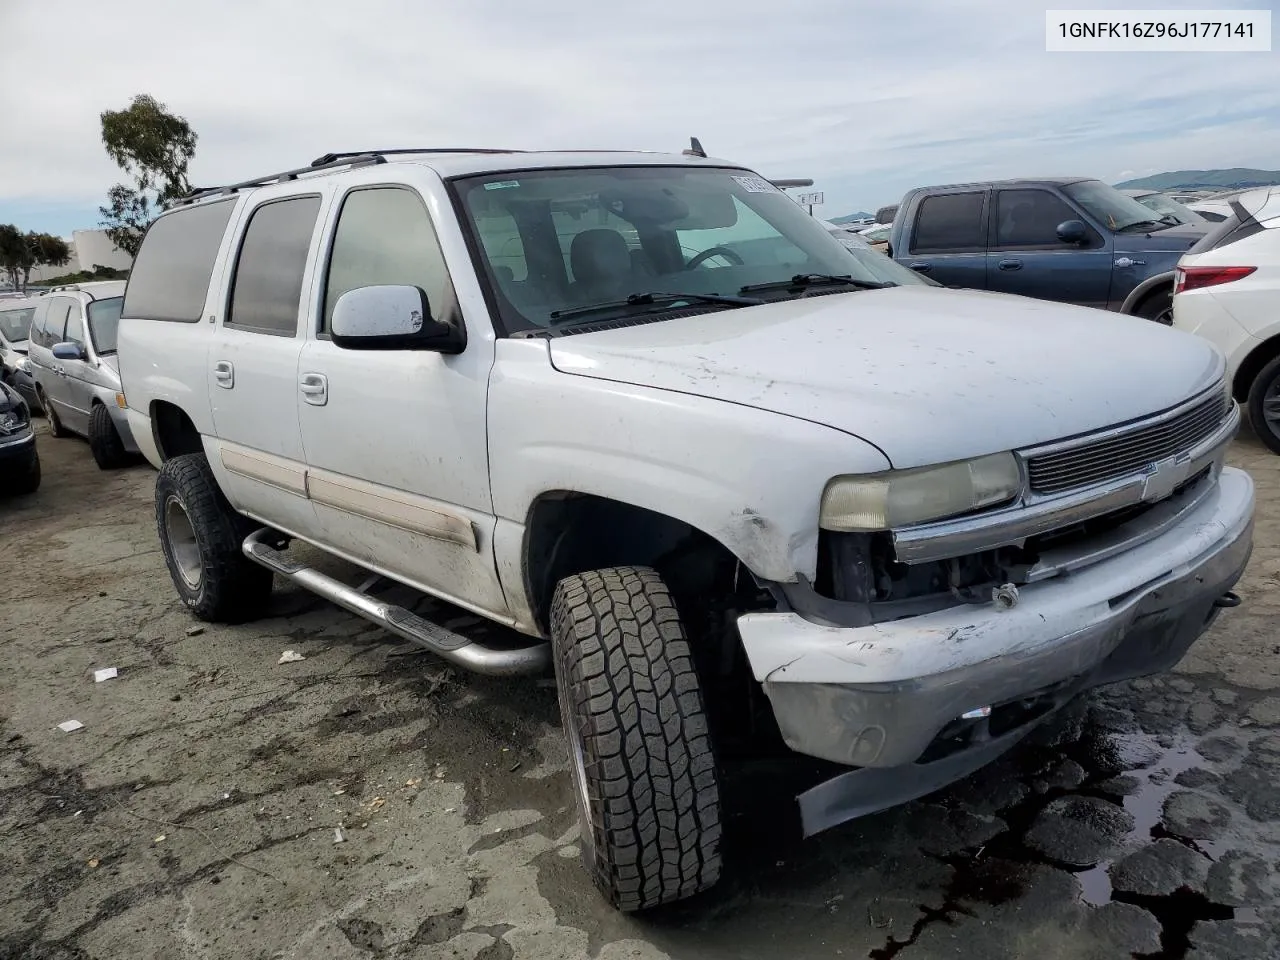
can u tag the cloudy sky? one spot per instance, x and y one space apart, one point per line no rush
868 97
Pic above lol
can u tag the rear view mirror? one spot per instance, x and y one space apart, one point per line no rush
391 317
68 351
1073 231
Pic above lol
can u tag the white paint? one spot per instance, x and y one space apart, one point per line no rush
784 648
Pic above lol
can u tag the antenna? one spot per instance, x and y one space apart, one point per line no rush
695 148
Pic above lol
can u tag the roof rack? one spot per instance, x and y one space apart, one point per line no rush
329 158
348 160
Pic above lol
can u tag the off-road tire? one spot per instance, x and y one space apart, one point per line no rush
104 440
640 747
56 429
1266 382
1157 307
28 481
231 587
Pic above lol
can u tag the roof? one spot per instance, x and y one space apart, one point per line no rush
462 162
1016 182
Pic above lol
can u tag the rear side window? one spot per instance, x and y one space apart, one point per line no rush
950 222
267 286
1240 225
170 277
54 321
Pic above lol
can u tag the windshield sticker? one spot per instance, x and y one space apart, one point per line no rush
756 185
502 185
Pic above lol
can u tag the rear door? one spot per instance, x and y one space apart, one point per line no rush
253 364
948 238
1027 258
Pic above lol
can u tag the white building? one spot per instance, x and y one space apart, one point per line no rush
89 249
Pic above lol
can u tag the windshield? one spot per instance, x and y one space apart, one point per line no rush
1108 205
104 324
1168 207
883 268
15 324
554 240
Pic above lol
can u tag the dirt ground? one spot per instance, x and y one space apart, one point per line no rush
198 812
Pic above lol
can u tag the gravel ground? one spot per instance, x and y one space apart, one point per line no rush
197 813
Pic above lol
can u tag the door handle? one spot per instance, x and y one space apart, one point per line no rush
1009 265
224 374
921 266
315 388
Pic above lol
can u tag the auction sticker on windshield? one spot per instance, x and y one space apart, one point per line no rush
756 185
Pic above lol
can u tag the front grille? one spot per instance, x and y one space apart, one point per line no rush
1128 452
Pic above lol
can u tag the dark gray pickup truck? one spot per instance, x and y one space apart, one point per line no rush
1068 239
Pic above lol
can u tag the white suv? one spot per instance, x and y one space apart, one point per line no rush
743 493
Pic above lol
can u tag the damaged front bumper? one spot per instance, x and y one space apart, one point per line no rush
918 703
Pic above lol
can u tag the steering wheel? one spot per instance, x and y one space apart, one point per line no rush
698 259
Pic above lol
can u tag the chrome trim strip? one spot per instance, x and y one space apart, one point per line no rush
1012 526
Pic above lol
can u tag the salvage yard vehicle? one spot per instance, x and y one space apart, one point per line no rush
19 460
742 494
1067 239
73 355
15 365
1228 291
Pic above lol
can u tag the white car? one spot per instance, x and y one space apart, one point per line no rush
1228 291
744 493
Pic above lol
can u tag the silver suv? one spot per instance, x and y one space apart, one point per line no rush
73 357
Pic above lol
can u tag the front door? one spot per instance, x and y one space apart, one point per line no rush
253 367
76 374
50 371
396 439
1027 258
949 239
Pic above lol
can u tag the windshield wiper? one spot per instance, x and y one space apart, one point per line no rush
651 299
802 280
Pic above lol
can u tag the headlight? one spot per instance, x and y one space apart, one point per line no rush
900 498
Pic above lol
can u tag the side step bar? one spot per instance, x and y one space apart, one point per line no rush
445 643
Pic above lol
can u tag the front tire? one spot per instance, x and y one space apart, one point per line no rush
639 743
28 481
200 535
104 440
1264 405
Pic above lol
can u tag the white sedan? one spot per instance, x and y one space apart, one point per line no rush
1228 291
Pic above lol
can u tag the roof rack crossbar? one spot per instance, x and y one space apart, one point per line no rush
329 158
347 160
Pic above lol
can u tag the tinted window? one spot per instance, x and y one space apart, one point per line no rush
267 286
170 277
950 221
1240 225
75 325
55 321
1030 218
384 236
104 323
15 324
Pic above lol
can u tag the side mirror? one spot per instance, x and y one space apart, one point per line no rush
391 317
1073 231
68 351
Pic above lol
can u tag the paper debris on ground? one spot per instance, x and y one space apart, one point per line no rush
339 836
106 673
159 839
94 862
375 804
66 726
195 631
290 656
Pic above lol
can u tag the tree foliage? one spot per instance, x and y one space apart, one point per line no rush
154 148
20 253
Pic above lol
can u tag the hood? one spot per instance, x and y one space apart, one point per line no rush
1180 239
926 374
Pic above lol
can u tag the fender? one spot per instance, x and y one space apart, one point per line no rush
1145 287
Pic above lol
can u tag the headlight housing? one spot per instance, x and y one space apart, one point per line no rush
900 498
24 364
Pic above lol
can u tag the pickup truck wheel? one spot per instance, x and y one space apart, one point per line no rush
104 440
1264 405
639 745
1157 307
200 535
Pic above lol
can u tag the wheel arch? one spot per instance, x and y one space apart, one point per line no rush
1147 288
173 431
1252 365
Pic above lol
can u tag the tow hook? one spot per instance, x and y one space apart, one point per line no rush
1227 600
